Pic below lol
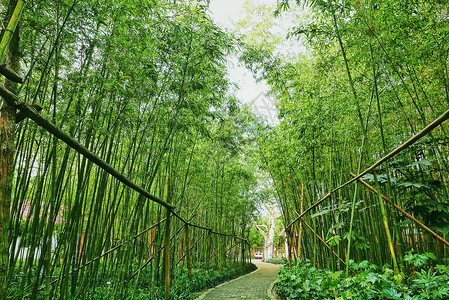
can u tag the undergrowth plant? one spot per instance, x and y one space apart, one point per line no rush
182 288
276 261
368 281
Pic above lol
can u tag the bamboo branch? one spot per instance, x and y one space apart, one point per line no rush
325 244
393 153
434 234
75 145
10 74
100 256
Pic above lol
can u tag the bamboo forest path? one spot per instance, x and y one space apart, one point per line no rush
256 285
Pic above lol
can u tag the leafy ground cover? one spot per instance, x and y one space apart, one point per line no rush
148 287
181 287
368 281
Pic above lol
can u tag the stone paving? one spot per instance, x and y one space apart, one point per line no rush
253 286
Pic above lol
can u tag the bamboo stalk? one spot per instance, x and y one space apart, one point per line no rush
75 145
102 255
384 146
325 244
10 41
167 255
300 224
390 155
387 228
194 244
12 25
417 222
187 246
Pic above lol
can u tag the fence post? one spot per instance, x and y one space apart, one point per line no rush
187 245
300 225
242 247
167 255
249 251
236 251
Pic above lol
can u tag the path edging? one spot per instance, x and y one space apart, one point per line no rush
213 288
270 291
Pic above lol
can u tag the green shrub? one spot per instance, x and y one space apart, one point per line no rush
303 281
205 278
105 286
180 285
276 261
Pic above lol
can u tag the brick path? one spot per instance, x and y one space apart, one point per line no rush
252 286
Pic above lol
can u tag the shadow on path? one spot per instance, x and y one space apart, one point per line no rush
252 286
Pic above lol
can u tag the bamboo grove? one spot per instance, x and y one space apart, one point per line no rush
375 74
125 155
141 87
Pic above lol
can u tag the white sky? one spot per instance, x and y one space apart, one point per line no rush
224 13
227 12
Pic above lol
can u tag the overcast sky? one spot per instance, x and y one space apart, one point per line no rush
224 13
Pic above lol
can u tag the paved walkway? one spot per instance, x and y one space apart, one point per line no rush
252 286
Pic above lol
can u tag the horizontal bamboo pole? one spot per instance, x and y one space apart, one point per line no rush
323 241
205 228
31 113
100 256
434 234
393 153
10 74
325 244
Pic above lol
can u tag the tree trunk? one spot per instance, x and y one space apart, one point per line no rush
268 237
7 131
7 128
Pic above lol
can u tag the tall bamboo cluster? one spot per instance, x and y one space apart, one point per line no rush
375 76
142 86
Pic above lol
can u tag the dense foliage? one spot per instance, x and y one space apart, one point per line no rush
368 281
373 75
143 85
182 287
276 261
204 279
